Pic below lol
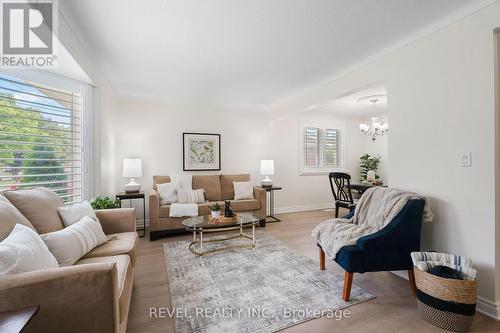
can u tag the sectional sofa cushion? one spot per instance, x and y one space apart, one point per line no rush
39 205
211 185
227 186
245 205
160 180
24 251
73 242
74 213
9 217
125 279
121 243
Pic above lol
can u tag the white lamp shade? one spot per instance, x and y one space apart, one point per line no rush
132 167
267 167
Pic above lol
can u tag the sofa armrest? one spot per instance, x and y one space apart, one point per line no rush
82 298
117 220
261 195
154 209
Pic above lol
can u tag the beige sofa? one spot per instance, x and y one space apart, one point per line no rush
91 296
217 189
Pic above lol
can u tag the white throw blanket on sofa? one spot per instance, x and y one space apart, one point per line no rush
375 209
181 210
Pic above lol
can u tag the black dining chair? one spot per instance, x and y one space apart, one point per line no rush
341 191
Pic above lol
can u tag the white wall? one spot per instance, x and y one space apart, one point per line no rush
310 191
153 132
441 102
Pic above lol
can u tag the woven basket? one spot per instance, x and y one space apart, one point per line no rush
447 303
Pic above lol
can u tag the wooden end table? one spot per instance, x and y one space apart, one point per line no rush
130 197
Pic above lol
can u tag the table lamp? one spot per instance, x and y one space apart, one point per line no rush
132 167
267 169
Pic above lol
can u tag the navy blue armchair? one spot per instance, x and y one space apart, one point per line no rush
386 250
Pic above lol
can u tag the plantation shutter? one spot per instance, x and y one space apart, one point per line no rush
311 147
331 147
40 138
322 148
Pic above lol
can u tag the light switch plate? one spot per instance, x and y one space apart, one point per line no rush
464 159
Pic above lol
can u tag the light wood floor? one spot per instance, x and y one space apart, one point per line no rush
394 309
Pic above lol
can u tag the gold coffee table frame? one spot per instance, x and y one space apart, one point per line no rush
200 241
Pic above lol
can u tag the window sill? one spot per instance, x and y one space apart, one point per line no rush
309 172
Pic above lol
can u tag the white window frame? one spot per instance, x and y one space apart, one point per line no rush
307 171
85 90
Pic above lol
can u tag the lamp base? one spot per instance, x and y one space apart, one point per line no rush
266 182
132 186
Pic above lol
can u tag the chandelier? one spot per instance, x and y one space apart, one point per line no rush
376 128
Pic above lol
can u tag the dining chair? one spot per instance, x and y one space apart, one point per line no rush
341 191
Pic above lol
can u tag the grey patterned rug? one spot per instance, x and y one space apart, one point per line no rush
265 289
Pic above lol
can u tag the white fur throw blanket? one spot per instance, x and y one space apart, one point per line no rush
181 210
375 209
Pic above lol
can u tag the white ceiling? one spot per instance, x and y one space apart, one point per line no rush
355 103
242 54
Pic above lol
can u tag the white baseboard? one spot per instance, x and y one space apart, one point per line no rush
302 208
489 308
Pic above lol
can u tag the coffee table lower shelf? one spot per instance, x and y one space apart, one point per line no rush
199 241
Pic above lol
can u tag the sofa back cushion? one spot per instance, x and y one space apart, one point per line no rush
160 180
227 184
39 205
9 217
211 185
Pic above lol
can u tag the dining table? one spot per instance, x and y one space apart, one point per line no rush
362 187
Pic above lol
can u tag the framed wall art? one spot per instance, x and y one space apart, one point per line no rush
201 152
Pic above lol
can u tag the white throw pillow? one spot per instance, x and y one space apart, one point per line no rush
167 193
191 196
24 251
73 242
74 213
243 190
184 182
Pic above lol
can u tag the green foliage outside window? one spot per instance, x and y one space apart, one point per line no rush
25 141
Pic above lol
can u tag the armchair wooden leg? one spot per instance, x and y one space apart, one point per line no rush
411 279
347 286
321 259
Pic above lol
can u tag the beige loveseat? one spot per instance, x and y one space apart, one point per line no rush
217 189
91 296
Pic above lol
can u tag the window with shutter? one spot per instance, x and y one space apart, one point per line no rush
40 138
322 148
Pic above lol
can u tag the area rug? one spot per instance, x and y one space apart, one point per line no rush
265 289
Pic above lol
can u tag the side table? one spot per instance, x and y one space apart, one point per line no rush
270 190
130 197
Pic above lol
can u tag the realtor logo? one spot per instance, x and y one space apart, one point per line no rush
27 34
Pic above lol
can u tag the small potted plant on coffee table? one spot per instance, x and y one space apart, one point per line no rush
215 211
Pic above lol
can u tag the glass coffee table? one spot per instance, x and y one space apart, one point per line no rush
205 224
